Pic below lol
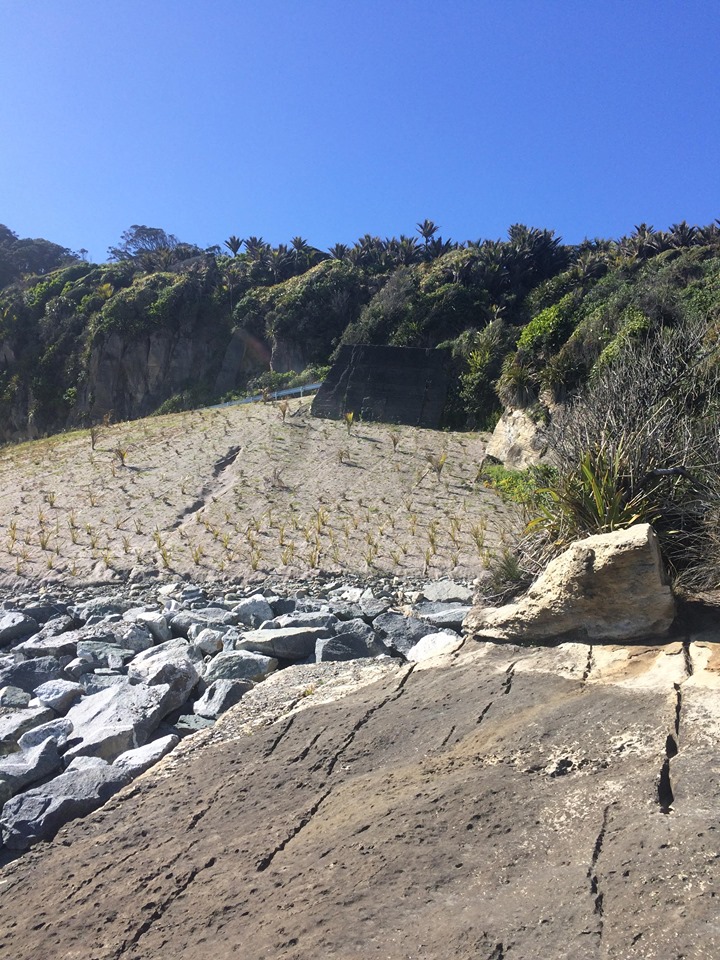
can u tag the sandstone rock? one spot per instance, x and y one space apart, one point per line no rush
434 645
14 625
220 696
21 769
290 643
58 694
517 441
608 587
401 633
239 665
137 761
252 611
39 813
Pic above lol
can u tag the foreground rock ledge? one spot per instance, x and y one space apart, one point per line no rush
502 802
609 587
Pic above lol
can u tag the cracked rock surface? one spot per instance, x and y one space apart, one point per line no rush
496 802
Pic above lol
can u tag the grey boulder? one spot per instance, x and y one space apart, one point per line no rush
39 813
239 665
14 625
252 611
401 633
290 643
220 696
137 761
14 725
58 694
117 719
21 769
29 674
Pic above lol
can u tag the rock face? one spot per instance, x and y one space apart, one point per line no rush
609 587
390 384
512 802
518 441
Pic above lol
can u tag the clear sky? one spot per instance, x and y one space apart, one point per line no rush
333 118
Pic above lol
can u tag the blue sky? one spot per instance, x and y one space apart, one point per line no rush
333 118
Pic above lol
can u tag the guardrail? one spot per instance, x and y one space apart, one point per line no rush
273 395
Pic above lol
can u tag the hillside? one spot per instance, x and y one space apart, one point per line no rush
242 492
167 326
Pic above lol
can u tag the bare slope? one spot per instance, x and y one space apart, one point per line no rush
507 803
241 492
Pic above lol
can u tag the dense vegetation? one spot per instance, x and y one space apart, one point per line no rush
528 319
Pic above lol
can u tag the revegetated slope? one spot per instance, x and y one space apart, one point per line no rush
503 803
242 492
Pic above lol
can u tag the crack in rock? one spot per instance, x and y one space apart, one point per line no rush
265 861
509 676
687 656
366 717
592 875
271 749
484 712
666 796
159 909
588 665
445 739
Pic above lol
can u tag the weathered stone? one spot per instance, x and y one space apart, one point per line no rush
252 611
58 694
446 591
518 441
608 587
154 622
434 645
442 614
347 646
46 610
292 643
209 641
58 730
137 761
326 621
99 608
220 696
401 633
373 607
13 697
21 769
212 617
117 719
104 654
167 665
14 625
14 725
239 665
29 674
39 813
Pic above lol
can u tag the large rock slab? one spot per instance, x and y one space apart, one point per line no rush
21 769
29 674
239 665
117 719
39 813
14 725
289 643
401 633
608 587
14 625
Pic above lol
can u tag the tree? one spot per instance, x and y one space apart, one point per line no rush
427 230
233 244
140 240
